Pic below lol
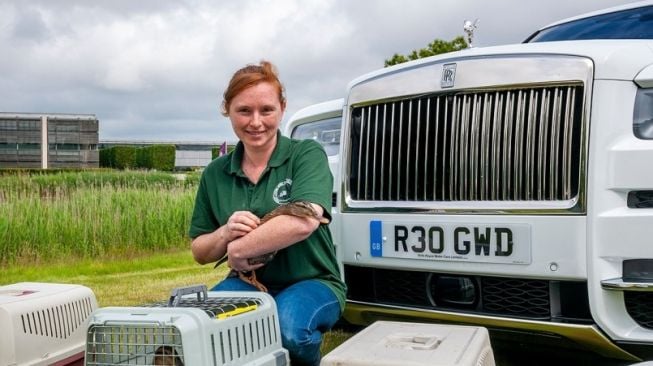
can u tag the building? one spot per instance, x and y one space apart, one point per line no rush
191 155
34 140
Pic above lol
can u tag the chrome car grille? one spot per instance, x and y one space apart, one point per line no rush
519 144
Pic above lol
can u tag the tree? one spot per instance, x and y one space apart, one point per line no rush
436 47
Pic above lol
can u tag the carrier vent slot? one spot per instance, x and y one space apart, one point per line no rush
59 321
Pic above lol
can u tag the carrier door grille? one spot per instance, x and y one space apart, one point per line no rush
134 344
505 145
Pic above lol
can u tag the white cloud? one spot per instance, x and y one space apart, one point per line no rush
155 69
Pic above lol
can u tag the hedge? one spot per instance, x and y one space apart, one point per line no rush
124 157
158 157
161 157
215 152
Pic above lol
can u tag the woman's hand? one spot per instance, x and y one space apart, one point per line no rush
211 247
239 224
242 264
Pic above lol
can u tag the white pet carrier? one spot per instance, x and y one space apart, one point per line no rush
194 328
44 323
387 343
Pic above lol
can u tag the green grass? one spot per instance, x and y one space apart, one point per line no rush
42 181
46 217
121 282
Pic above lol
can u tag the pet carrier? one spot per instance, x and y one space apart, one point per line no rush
386 343
194 327
44 323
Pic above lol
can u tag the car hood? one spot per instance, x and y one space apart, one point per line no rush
613 59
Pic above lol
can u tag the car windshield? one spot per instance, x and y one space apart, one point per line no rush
326 132
634 23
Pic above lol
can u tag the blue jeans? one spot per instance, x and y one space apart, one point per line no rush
306 310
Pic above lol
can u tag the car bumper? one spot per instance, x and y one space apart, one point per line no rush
586 336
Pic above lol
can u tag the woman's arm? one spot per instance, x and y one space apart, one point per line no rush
210 247
277 233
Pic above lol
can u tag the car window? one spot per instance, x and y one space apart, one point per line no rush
326 132
634 23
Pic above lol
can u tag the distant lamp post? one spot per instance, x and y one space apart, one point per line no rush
469 28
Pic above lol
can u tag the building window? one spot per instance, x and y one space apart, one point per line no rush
8 148
64 149
66 127
29 125
29 149
68 147
8 126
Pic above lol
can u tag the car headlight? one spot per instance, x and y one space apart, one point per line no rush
643 115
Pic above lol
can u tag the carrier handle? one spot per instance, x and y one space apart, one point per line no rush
177 293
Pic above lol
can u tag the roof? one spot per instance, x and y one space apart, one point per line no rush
54 116
313 112
613 9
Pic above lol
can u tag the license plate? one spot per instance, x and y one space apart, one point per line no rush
487 243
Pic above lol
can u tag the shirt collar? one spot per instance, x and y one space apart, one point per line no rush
280 154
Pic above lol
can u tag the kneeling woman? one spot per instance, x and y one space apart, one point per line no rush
236 190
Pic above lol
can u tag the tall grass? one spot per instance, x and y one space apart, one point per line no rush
88 214
49 181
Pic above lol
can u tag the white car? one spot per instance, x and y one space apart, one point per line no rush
320 122
509 187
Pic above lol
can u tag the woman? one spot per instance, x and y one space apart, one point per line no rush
264 171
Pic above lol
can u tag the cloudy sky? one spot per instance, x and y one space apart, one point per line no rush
156 69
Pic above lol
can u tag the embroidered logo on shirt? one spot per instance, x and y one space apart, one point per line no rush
281 192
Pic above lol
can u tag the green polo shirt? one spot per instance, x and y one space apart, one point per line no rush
298 170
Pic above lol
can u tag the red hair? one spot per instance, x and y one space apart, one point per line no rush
249 76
